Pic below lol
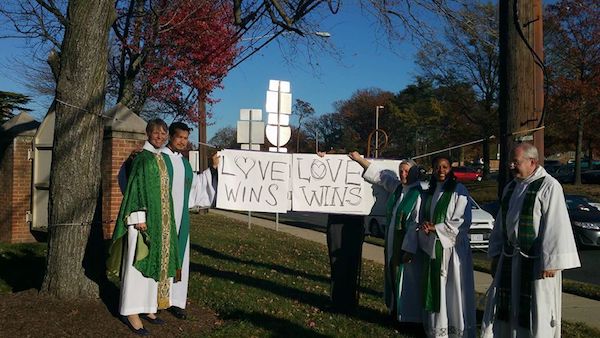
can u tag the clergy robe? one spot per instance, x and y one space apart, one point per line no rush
402 290
197 191
146 260
554 249
456 316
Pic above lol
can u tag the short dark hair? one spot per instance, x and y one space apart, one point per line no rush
178 126
154 123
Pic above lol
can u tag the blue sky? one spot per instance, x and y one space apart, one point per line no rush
366 61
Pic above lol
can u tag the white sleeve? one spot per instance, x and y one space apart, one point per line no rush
448 230
385 178
559 251
136 217
202 193
411 240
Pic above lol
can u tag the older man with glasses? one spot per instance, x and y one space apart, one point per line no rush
532 242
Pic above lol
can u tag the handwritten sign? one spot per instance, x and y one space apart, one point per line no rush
254 181
332 184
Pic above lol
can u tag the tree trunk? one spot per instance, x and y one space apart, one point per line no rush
75 263
578 150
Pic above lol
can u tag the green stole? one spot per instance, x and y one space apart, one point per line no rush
184 227
432 267
156 250
526 239
404 209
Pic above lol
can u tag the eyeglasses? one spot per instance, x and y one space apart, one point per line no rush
518 162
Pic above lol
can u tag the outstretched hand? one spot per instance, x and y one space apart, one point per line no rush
215 159
355 156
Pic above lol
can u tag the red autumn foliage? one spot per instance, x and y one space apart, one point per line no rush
177 51
572 46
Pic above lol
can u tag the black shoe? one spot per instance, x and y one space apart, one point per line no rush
179 313
155 321
140 332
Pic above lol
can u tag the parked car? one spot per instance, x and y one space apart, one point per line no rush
585 220
552 166
482 223
565 173
467 174
590 177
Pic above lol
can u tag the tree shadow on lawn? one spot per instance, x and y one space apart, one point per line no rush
279 268
320 301
277 327
22 271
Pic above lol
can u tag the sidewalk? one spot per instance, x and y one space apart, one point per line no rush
575 308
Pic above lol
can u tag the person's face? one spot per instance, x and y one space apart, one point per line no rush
157 137
179 141
441 169
521 166
404 170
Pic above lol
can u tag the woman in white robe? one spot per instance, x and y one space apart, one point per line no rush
446 235
402 289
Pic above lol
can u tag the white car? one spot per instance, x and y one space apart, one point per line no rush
482 223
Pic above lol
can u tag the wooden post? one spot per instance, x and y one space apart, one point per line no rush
521 94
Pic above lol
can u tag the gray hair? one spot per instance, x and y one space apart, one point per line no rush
529 151
413 172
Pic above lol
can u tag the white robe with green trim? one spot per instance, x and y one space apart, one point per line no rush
202 194
556 251
457 295
411 309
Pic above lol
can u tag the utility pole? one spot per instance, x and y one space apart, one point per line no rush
521 94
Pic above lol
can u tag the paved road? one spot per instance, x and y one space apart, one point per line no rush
590 258
589 271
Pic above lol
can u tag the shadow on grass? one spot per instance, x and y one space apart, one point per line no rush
277 327
312 299
280 269
23 270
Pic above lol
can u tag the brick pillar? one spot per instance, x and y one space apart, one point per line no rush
16 182
114 152
6 187
123 134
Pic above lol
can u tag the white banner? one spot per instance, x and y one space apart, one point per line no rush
254 181
331 184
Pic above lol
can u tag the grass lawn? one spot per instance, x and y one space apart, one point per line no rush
260 282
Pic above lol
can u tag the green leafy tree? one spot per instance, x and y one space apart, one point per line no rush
9 102
465 60
225 138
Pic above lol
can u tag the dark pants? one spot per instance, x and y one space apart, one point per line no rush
345 235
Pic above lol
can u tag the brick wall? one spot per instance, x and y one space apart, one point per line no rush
16 182
114 152
6 179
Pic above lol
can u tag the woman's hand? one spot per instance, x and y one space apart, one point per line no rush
427 227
